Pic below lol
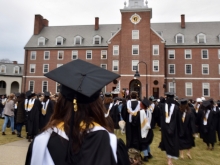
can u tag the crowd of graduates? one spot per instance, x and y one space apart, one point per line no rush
180 121
26 109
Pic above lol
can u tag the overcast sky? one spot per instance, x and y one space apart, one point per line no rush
17 16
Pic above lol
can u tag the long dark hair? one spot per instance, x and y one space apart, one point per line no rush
87 113
46 98
184 107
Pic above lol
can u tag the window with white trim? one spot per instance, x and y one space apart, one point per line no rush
31 85
45 68
89 54
104 66
115 49
171 68
135 34
205 89
201 38
179 38
59 65
205 69
205 54
188 89
59 41
155 49
57 87
103 54
218 68
171 54
60 55
44 86
188 54
134 65
41 41
17 69
3 69
46 55
97 39
75 54
219 54
33 55
155 65
78 40
188 68
135 49
115 65
172 87
32 68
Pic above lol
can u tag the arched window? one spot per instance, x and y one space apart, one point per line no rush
179 39
97 39
201 38
3 69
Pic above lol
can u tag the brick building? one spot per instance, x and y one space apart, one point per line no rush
183 57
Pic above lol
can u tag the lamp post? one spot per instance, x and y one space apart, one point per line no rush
174 86
138 75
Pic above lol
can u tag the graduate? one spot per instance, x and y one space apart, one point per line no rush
170 122
46 110
108 103
207 124
115 115
78 132
131 130
186 138
32 108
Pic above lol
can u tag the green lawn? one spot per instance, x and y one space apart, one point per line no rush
200 155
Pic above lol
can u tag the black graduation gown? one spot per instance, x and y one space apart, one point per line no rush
115 115
169 132
44 119
207 132
143 142
95 150
218 122
33 119
186 139
155 116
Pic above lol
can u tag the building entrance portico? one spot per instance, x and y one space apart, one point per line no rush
135 85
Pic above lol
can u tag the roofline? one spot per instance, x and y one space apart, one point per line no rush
190 46
109 41
158 34
67 47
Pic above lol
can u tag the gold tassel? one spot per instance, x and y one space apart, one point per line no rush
74 105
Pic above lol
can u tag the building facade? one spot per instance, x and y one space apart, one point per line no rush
10 77
182 57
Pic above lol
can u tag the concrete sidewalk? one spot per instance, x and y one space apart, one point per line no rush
14 153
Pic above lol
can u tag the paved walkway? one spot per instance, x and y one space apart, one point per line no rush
14 153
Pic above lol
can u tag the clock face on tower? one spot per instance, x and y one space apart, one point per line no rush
135 18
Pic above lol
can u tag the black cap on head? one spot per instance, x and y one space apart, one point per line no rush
206 103
28 93
151 98
169 94
183 101
17 94
146 102
81 80
107 94
46 93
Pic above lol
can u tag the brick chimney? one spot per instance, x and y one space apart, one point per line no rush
183 21
96 23
39 24
15 62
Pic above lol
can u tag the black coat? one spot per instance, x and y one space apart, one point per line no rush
115 115
186 139
20 117
170 132
218 122
155 116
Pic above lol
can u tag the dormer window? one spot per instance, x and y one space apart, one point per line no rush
41 41
201 38
78 40
3 69
179 38
59 40
97 39
16 69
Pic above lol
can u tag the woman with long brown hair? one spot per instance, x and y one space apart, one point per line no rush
9 114
78 132
186 138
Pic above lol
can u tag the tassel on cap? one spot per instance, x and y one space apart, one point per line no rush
74 105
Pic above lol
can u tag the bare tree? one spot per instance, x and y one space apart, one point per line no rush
5 60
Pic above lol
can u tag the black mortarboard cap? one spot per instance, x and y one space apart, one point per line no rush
81 80
206 103
28 93
46 93
146 102
17 94
151 98
183 101
169 94
107 94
